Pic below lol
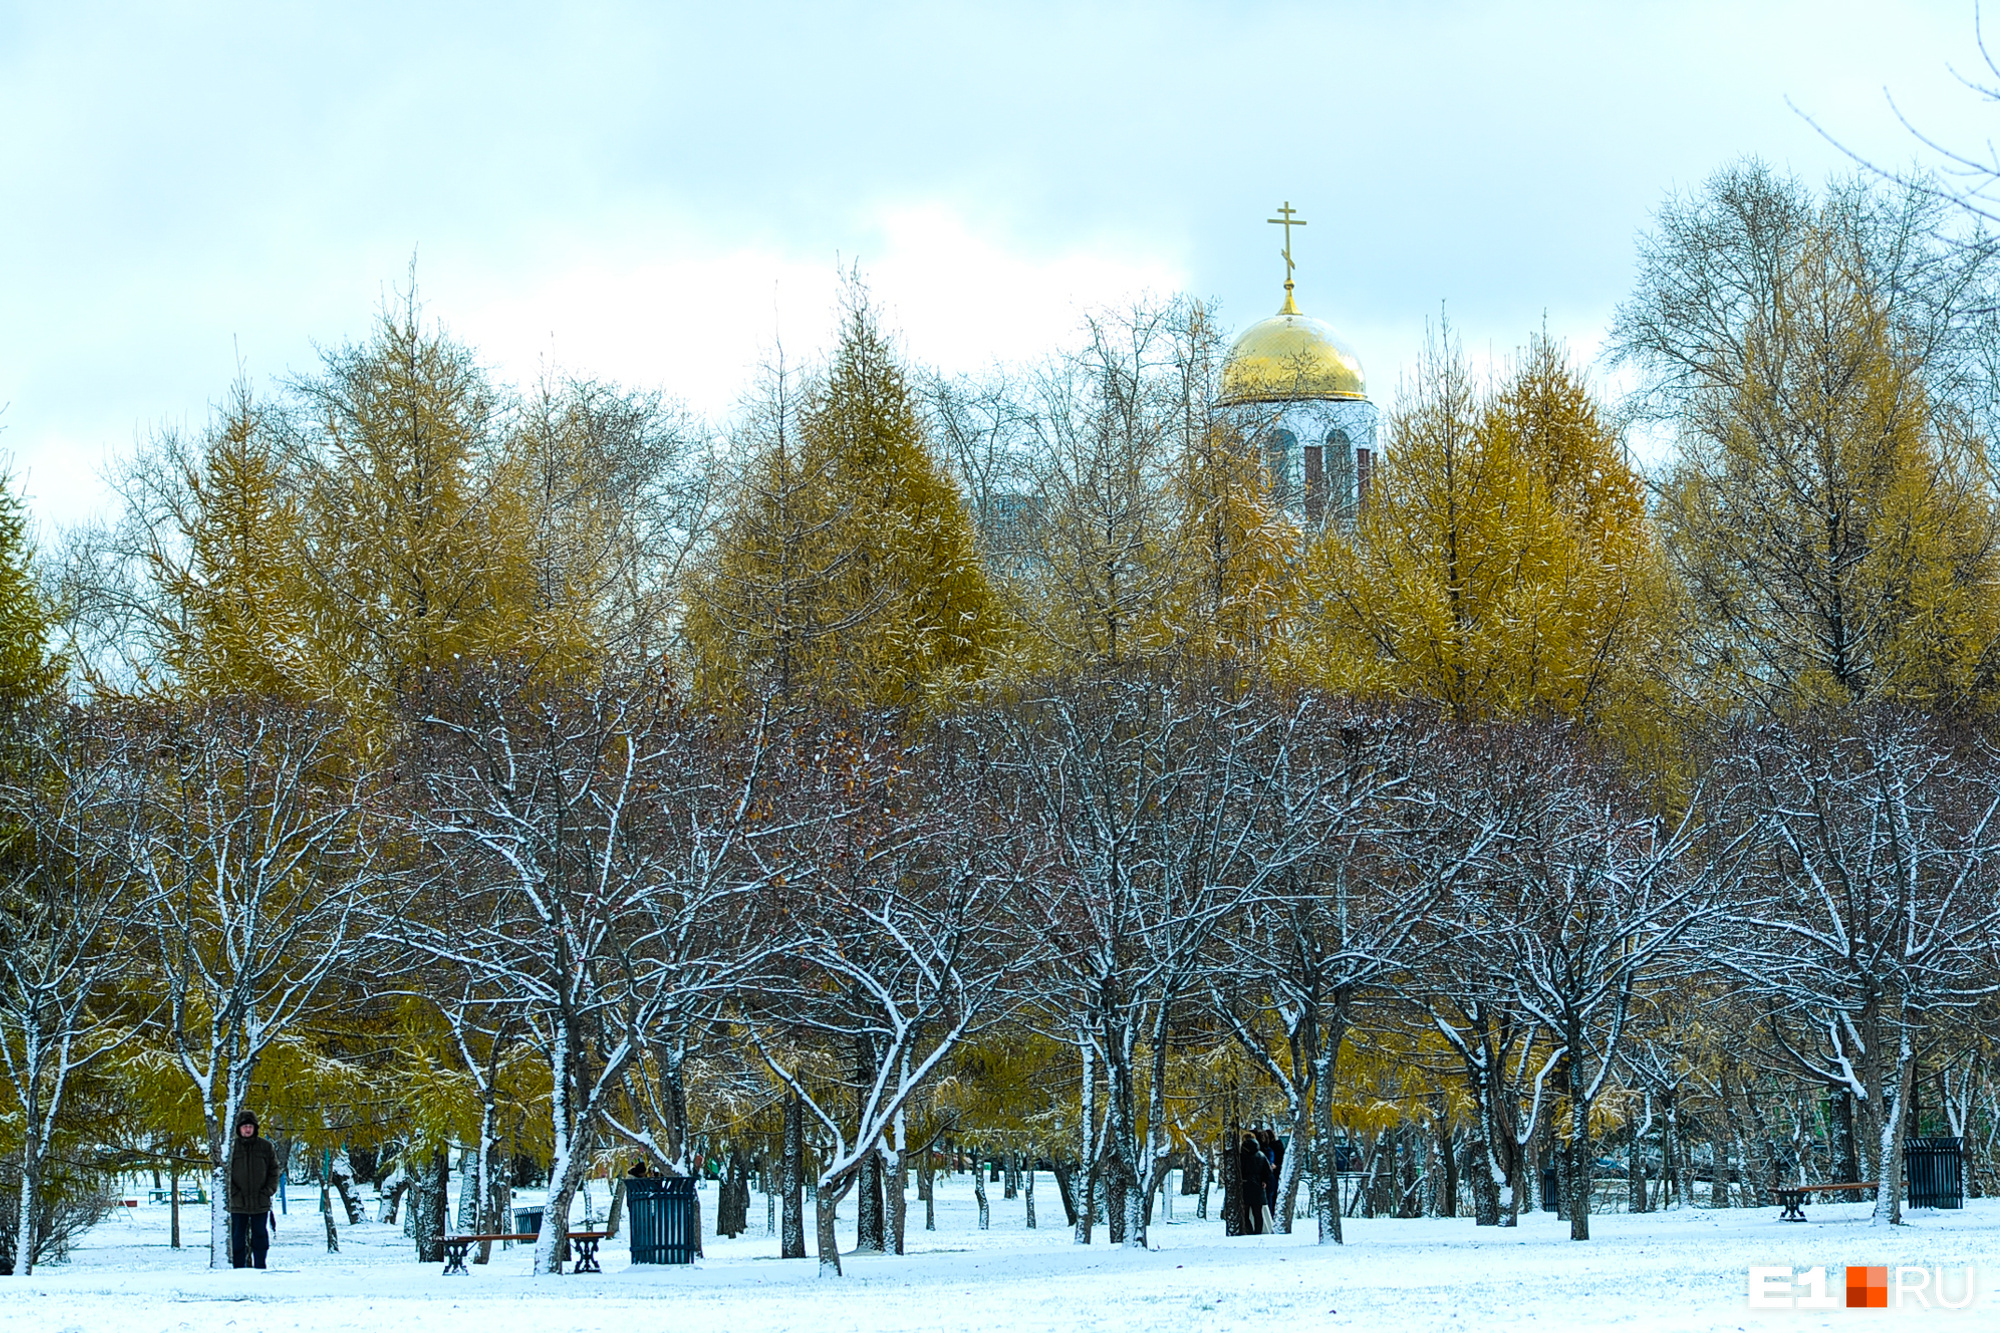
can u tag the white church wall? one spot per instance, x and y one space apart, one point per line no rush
1286 434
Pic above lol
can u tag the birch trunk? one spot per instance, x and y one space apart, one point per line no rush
483 1220
1327 1205
1889 1195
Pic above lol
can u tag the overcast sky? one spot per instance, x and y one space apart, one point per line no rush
654 192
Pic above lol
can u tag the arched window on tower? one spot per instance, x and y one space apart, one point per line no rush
1340 476
1315 485
1279 446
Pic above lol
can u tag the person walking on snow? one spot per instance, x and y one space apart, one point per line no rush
1253 1178
253 1179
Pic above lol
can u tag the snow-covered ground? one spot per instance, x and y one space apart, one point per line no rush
1679 1271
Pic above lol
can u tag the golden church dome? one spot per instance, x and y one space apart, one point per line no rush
1290 356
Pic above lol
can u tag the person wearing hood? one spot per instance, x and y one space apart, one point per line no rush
253 1179
1253 1182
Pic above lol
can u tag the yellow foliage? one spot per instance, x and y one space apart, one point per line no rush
1502 564
847 568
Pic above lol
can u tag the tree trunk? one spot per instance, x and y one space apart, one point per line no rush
1889 1195
979 1193
870 1233
25 1210
898 1171
1847 1157
1061 1172
1409 1182
1085 1212
791 1183
1580 1175
428 1174
616 1212
1447 1195
1635 1161
1234 1218
826 1200
1320 1142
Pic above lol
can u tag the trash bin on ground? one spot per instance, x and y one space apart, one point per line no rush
1934 1172
528 1221
661 1212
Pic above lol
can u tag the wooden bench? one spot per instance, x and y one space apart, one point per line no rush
586 1242
1793 1197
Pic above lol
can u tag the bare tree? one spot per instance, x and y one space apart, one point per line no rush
65 890
1864 912
251 844
1341 920
1097 527
1586 899
887 909
587 850
1156 807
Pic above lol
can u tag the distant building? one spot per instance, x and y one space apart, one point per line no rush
1296 390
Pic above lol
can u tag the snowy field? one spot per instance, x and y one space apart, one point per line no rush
1683 1271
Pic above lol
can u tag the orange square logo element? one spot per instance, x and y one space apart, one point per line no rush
1867 1288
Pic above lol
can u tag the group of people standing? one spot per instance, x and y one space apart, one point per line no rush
1257 1163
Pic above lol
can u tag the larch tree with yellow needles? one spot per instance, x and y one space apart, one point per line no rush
846 568
1502 564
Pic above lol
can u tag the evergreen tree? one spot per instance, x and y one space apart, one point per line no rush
1502 565
234 612
403 531
846 568
28 669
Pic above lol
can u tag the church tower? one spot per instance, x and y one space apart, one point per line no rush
1295 390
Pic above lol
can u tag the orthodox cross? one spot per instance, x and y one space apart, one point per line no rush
1287 221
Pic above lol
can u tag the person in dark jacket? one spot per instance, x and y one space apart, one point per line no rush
1253 1182
253 1179
1274 1153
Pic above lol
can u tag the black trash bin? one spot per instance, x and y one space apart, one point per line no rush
661 1212
1548 1189
1934 1172
528 1221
